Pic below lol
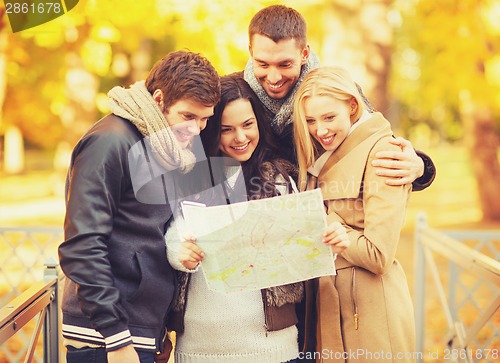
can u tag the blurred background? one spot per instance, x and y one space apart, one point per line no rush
432 67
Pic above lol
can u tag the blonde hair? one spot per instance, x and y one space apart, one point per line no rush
333 82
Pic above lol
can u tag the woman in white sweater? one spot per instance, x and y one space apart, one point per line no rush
254 326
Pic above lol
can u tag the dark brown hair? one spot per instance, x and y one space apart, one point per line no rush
263 166
279 22
184 75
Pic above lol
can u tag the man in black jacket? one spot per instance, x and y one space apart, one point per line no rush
119 285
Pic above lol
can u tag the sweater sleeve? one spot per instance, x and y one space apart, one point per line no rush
173 241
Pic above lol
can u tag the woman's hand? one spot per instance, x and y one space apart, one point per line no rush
190 255
336 236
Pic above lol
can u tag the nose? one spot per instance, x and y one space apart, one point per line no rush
239 136
202 123
322 129
195 127
274 75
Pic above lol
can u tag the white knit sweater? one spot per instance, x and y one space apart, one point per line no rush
230 328
222 328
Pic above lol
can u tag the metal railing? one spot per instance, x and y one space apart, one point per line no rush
23 253
41 299
483 272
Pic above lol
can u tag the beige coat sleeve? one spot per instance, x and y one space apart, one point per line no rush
373 246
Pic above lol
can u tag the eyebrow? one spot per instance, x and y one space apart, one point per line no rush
248 119
281 61
189 113
323 115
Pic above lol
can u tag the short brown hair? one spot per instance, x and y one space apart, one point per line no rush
279 22
185 75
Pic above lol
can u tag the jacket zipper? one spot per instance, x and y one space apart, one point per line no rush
263 298
354 298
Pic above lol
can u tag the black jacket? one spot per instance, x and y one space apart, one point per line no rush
118 279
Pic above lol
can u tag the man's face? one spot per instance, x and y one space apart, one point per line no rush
277 65
187 118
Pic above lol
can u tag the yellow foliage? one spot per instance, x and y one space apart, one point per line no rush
492 71
491 14
96 56
106 32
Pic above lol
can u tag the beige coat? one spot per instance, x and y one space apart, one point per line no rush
366 309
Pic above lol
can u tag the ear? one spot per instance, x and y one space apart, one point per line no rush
305 54
353 105
250 41
158 97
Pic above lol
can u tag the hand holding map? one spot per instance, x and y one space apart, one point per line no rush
262 243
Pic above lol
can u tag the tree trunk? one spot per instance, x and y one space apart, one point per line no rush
377 40
357 35
483 143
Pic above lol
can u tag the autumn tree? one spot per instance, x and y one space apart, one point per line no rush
448 73
58 74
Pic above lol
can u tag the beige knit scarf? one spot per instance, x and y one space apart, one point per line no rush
137 105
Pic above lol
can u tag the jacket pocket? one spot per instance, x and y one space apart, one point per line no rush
129 278
143 285
149 304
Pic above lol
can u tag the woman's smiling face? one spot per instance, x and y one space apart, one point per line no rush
328 120
239 130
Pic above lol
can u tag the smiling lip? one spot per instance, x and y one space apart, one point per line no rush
181 136
240 149
275 87
327 140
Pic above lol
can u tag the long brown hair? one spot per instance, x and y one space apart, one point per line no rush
262 167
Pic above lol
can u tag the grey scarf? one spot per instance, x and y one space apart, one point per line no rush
138 106
282 109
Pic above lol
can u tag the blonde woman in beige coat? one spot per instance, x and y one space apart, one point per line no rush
365 312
